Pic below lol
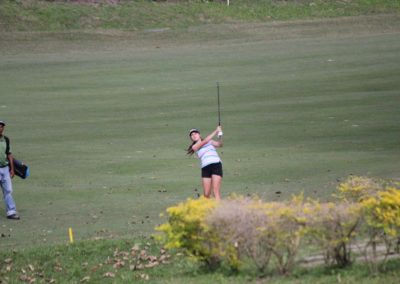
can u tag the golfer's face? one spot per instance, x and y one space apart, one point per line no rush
195 136
1 128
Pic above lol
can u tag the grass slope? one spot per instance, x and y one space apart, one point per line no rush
102 120
124 261
36 15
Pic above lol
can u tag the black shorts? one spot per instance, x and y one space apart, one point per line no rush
212 169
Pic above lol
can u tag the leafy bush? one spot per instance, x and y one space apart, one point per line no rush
237 223
236 230
333 227
383 211
380 211
284 228
356 188
240 230
186 229
382 220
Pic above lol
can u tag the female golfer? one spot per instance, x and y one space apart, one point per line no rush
211 166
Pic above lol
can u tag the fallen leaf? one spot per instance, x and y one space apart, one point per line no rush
108 275
85 279
139 267
152 258
119 264
151 264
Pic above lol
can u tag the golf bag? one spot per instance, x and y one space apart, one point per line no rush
21 169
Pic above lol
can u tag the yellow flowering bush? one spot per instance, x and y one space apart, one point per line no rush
186 229
236 224
249 229
380 210
382 219
240 230
285 227
355 188
332 227
383 211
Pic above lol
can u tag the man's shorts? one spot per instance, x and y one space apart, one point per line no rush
212 169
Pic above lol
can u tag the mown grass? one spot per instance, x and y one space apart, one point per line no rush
101 118
35 15
106 261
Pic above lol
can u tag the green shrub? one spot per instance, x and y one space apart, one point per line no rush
237 223
186 229
356 188
382 221
242 230
333 227
379 203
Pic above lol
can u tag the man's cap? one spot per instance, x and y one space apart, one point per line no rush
2 122
193 130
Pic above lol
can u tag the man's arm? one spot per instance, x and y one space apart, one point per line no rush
11 164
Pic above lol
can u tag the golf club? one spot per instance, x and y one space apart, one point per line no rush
220 133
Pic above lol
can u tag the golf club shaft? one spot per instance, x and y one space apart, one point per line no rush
219 106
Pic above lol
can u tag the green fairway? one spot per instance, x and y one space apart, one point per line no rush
102 119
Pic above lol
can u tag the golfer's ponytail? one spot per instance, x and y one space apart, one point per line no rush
190 150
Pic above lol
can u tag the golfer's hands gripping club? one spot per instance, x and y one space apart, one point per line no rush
219 131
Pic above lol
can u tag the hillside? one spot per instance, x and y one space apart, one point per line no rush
39 15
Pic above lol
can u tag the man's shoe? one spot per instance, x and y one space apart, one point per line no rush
13 217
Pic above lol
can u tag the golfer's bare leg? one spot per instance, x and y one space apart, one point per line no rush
206 187
216 184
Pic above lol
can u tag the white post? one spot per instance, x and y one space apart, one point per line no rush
227 2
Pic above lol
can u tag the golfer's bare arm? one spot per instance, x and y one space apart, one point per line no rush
203 142
218 143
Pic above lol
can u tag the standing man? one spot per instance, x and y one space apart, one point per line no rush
7 173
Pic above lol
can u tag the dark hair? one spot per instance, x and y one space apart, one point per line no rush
190 150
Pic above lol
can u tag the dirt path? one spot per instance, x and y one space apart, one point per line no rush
357 252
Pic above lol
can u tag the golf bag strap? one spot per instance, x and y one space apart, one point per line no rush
7 145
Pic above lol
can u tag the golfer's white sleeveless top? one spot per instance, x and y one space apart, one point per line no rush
208 155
